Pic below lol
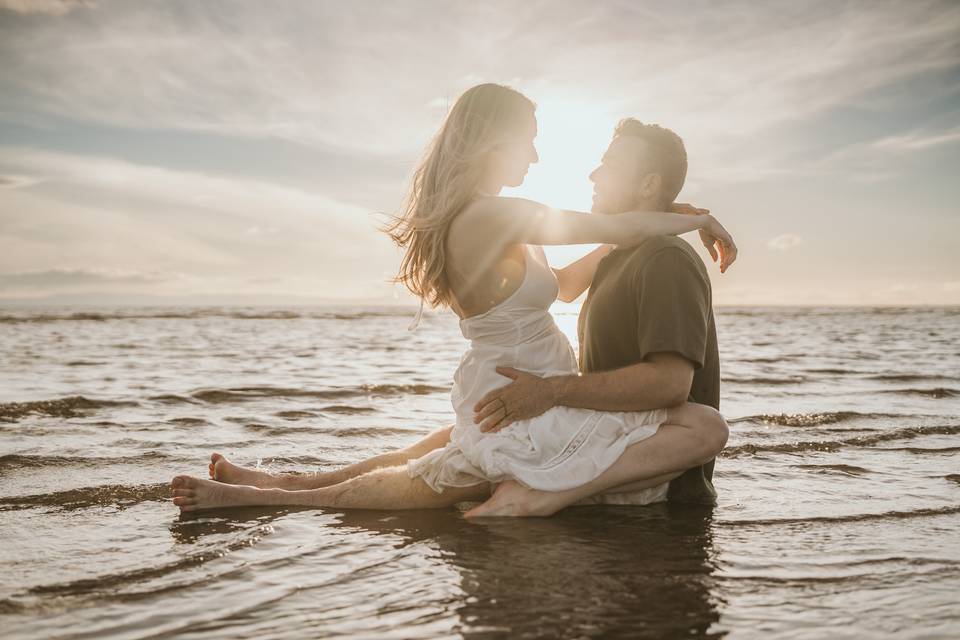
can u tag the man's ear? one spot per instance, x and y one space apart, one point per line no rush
650 186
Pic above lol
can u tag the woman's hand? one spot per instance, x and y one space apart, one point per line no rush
710 241
717 239
687 209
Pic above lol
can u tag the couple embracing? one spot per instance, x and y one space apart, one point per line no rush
636 422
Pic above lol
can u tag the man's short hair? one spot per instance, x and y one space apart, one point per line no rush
667 153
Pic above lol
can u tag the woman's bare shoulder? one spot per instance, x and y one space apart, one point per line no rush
489 216
481 232
475 220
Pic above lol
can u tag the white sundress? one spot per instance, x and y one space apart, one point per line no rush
558 450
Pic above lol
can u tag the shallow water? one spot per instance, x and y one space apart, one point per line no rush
839 510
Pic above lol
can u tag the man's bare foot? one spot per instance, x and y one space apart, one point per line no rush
194 494
222 470
512 499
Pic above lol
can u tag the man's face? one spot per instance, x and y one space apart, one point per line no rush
616 180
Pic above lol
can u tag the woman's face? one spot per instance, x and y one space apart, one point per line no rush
511 159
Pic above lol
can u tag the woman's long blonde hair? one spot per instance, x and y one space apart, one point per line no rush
447 178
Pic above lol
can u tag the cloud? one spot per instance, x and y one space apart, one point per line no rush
68 278
876 160
784 242
918 140
755 91
218 230
16 182
325 75
260 231
185 194
49 7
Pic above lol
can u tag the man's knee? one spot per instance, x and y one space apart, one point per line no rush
710 427
718 431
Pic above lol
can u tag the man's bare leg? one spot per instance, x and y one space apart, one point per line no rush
692 435
388 488
224 471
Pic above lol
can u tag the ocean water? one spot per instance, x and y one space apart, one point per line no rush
838 516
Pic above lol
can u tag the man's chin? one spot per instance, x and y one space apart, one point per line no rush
596 207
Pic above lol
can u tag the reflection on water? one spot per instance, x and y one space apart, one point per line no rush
590 572
613 572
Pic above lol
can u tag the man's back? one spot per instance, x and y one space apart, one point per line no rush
655 297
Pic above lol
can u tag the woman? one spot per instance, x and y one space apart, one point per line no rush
478 253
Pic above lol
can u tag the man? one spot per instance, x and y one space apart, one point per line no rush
647 337
646 331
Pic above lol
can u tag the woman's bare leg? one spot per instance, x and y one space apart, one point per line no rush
389 488
224 471
692 435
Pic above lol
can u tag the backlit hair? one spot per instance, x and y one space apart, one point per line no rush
445 181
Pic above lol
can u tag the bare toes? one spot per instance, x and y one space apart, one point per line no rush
187 482
182 501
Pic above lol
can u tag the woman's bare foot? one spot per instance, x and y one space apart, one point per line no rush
194 494
512 499
222 470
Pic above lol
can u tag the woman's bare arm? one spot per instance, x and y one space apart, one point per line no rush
575 278
505 221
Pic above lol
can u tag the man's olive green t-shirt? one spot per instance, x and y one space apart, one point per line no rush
652 298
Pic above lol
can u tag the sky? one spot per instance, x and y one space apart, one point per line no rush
244 152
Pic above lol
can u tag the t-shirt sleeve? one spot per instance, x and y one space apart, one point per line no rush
673 306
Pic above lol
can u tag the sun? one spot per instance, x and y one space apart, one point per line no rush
572 135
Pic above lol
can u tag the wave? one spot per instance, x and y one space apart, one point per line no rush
767 381
807 419
858 517
938 392
188 421
111 582
922 450
848 469
906 433
295 415
347 409
194 314
172 398
341 409
833 371
26 461
68 407
904 377
241 394
101 496
339 432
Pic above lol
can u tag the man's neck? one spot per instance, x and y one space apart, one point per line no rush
647 205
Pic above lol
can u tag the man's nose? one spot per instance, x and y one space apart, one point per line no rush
593 175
